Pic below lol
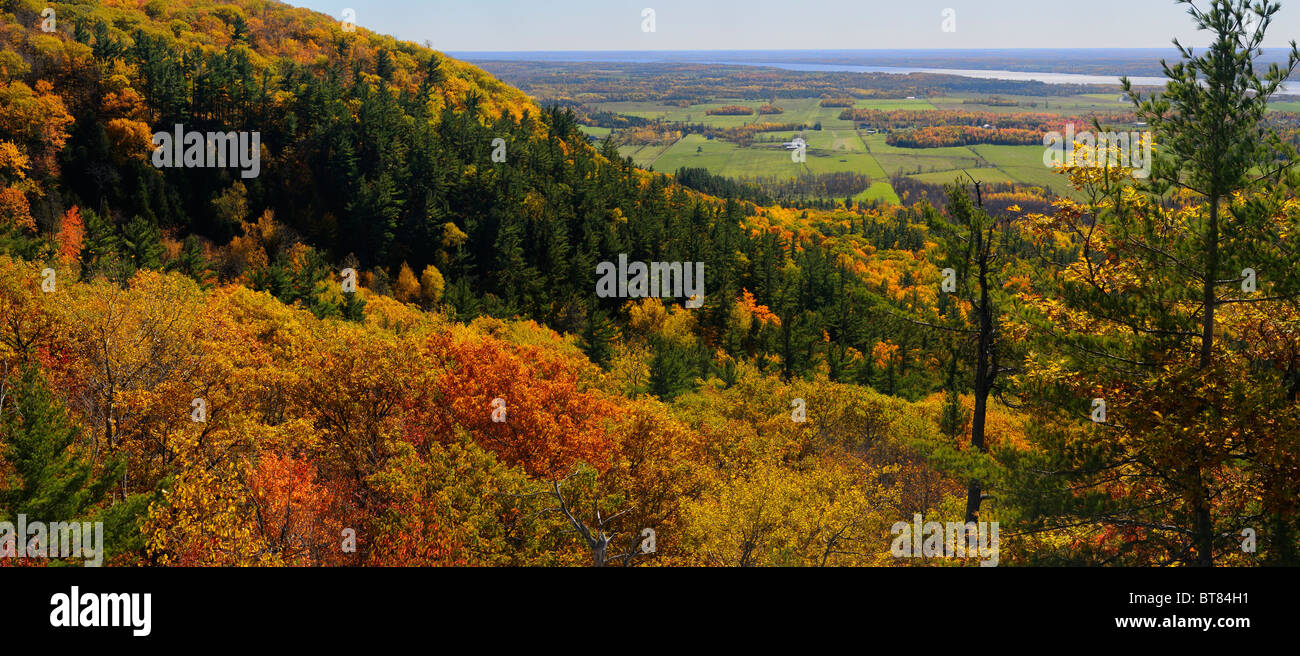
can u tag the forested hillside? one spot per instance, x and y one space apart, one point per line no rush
183 355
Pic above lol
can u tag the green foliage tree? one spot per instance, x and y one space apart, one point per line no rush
1167 461
51 479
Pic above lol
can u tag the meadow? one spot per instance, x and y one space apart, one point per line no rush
841 146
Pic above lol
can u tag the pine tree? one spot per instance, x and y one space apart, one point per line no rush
191 262
353 307
598 338
671 370
1150 332
53 482
141 244
953 419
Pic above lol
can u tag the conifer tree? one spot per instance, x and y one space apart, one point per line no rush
1152 330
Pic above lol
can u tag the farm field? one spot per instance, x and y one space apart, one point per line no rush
1077 105
829 151
1025 164
980 175
644 156
796 110
839 146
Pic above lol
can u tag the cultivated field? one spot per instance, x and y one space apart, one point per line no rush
840 146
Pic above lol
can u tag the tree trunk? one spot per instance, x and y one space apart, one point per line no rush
1209 293
983 380
1202 525
1203 529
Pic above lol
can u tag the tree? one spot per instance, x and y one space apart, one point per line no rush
672 369
55 480
432 285
597 537
975 247
407 288
1214 142
1209 122
141 244
1147 319
192 262
52 481
974 252
71 235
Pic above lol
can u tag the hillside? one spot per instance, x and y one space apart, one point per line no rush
376 154
376 333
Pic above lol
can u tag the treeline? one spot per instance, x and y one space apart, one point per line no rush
999 197
962 135
611 120
654 133
807 186
702 181
600 82
743 135
899 119
822 191
729 110
992 102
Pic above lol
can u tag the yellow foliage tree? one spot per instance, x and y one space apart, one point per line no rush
432 284
407 288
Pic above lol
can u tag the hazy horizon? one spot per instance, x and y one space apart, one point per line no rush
833 50
604 25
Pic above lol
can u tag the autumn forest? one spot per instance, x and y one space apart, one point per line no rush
381 338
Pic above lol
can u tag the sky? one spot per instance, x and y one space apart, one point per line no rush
509 25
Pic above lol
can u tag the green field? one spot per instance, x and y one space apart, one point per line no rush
594 131
882 191
1083 104
1025 164
838 146
948 177
890 105
644 156
1284 106
844 152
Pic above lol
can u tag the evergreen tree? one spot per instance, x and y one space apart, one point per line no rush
1138 332
141 244
671 370
191 261
52 481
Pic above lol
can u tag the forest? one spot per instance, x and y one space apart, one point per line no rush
597 82
386 348
953 135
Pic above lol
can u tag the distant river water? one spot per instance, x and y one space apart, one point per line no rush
1018 76
985 74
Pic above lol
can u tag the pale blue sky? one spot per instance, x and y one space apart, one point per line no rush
498 25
